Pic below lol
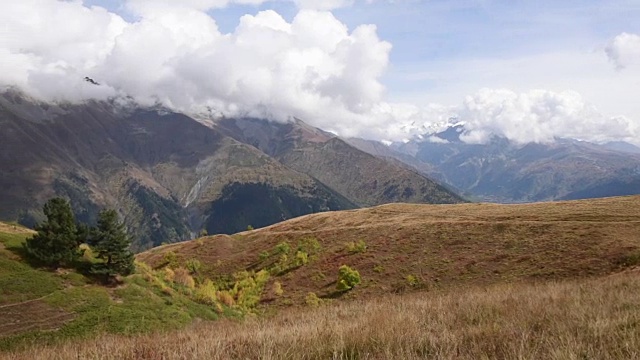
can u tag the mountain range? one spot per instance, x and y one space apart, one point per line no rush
171 176
508 172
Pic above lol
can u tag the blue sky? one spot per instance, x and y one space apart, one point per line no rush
528 70
429 33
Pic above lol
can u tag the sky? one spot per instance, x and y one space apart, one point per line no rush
388 70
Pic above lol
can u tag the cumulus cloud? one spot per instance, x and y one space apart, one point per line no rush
313 67
624 50
147 6
539 116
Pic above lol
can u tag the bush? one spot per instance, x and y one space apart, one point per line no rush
247 289
277 288
312 299
264 255
301 258
226 298
193 265
206 293
169 275
282 248
412 280
183 278
170 259
310 245
347 278
356 247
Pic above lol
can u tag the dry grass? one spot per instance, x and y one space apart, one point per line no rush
14 229
586 319
436 246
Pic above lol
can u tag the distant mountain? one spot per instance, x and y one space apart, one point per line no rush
170 176
364 179
622 146
504 171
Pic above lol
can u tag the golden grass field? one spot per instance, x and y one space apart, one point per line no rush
441 246
473 281
580 319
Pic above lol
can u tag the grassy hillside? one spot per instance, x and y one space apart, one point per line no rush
45 307
592 319
404 247
548 280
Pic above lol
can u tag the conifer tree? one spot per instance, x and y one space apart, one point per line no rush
55 244
111 243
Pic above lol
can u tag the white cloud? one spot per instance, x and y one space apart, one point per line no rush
539 116
624 50
313 67
145 7
323 4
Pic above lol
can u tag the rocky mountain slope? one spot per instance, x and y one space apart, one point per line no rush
504 171
364 179
171 176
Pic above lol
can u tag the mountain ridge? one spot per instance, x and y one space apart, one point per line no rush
169 175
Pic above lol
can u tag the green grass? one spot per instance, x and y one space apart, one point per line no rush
135 306
19 281
12 242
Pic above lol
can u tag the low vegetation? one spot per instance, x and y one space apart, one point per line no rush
400 248
347 278
592 319
39 306
554 280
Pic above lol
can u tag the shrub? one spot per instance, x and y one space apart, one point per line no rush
282 248
356 247
264 255
412 280
248 288
378 268
183 278
301 258
347 278
309 244
170 259
226 298
166 290
206 293
277 288
193 265
249 227
169 275
282 264
312 299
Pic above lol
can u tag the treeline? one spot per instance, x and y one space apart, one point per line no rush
62 242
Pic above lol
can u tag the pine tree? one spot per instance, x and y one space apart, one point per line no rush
111 243
55 244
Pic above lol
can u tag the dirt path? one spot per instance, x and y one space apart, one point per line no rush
31 315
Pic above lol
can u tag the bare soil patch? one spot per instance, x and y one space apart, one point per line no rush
31 315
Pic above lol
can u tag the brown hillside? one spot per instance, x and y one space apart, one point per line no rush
432 246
